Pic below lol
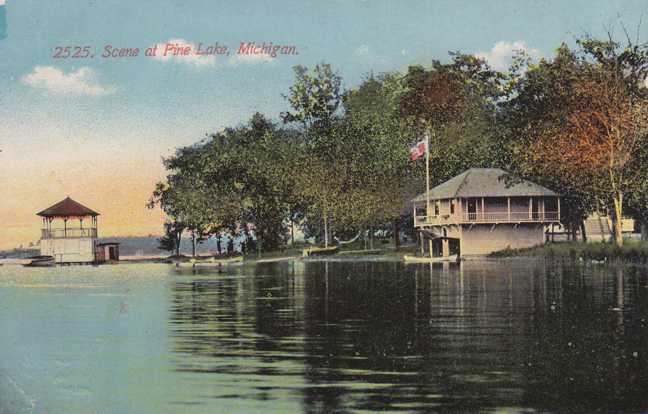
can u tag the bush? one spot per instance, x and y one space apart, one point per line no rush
632 251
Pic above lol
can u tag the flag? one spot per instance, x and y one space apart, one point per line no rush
3 20
418 150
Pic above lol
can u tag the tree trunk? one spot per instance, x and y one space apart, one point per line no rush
325 230
618 218
573 231
644 232
371 237
365 234
396 235
177 243
193 243
583 233
292 231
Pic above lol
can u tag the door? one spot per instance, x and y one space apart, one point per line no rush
535 209
472 209
112 255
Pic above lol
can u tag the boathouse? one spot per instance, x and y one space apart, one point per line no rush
107 252
69 232
483 210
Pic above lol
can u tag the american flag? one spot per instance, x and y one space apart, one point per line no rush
418 150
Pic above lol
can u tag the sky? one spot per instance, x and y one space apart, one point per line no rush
96 128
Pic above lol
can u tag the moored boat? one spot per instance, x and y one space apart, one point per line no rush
40 261
211 262
424 259
316 251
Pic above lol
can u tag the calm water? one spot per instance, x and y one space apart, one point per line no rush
324 337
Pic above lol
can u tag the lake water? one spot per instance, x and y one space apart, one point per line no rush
324 336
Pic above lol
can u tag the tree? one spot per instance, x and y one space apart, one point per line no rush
315 98
456 103
584 117
170 241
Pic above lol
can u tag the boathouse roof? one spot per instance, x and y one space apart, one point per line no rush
485 182
67 208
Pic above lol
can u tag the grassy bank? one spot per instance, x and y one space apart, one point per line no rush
631 251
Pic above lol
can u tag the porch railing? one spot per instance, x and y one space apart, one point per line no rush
73 233
486 217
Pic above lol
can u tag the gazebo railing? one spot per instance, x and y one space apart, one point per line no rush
73 233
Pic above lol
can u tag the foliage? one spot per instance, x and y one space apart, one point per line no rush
578 123
338 163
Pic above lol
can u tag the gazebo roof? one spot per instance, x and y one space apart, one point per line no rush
485 182
67 208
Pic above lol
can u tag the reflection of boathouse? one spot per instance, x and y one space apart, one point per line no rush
69 232
483 210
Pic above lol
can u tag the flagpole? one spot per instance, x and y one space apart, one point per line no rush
427 175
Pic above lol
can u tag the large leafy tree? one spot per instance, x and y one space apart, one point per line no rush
577 124
314 99
455 103
230 180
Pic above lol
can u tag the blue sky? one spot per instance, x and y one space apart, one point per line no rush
96 128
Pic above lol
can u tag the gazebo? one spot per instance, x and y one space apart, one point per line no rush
74 240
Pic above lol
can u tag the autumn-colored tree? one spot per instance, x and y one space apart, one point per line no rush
604 128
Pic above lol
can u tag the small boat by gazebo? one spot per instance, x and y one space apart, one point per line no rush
40 261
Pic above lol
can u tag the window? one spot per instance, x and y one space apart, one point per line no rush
436 208
452 207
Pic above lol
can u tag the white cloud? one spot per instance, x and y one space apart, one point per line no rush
83 81
501 55
362 51
190 59
251 59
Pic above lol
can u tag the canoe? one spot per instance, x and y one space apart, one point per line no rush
317 251
422 259
211 262
41 261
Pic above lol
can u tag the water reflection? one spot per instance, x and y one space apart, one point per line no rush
353 336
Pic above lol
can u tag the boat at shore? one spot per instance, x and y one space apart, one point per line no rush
319 251
424 259
211 262
40 261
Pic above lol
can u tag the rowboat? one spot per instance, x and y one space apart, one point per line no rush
40 261
422 259
211 262
317 251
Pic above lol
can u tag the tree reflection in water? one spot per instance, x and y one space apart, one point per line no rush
340 336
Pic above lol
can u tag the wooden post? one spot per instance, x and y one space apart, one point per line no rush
530 208
460 209
420 242
558 198
482 209
445 247
427 176
430 246
508 200
65 227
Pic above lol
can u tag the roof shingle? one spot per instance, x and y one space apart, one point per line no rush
485 182
67 208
